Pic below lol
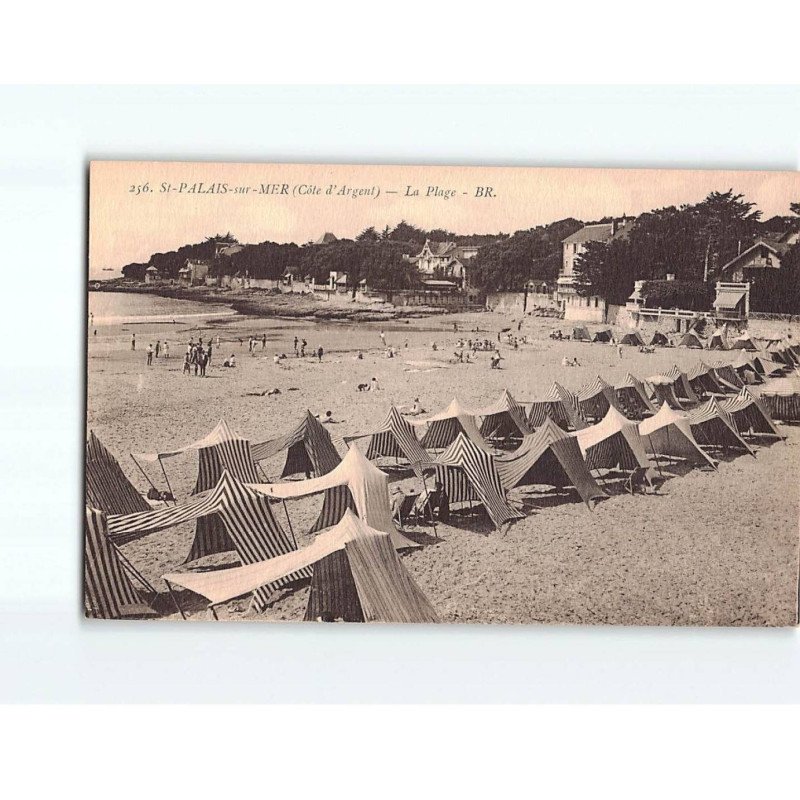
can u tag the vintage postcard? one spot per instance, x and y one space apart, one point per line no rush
421 394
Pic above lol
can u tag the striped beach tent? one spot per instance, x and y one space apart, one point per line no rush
744 342
633 338
443 428
504 419
681 385
659 339
712 426
581 334
719 340
559 405
664 391
747 370
395 437
468 472
219 451
668 433
551 457
691 340
613 443
727 377
249 525
107 590
595 398
357 577
107 487
365 489
703 381
310 449
750 415
632 398
781 400
766 365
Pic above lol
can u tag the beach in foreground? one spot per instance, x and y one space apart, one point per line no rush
711 548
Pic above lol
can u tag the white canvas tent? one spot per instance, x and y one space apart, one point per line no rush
368 487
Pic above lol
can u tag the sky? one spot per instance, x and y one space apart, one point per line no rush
140 208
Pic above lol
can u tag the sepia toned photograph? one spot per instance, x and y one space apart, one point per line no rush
423 394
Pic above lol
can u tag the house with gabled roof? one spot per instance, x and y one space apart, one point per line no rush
444 261
765 253
574 306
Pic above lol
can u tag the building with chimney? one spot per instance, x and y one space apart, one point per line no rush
574 306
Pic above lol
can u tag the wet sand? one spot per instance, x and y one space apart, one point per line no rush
712 548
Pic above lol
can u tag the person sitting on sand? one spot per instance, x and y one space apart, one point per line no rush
328 419
360 356
373 385
416 408
229 362
494 361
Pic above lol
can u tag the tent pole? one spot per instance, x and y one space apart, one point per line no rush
174 599
433 520
285 507
146 476
655 455
213 611
131 569
161 464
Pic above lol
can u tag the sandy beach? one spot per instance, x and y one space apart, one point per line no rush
711 548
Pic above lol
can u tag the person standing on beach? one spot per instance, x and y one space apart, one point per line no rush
150 355
383 338
320 353
187 369
619 350
296 340
158 347
203 363
210 350
303 348
133 342
166 349
264 342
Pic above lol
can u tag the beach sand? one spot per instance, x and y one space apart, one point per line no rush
711 548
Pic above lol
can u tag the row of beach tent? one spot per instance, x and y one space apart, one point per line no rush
720 339
565 439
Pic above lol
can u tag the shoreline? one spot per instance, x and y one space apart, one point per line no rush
265 303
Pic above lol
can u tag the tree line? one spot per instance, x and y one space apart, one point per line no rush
693 242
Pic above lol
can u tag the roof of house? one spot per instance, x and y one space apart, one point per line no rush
326 238
776 247
601 232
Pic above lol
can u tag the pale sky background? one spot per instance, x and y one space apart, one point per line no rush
126 227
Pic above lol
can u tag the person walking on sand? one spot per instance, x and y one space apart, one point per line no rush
320 353
158 347
166 349
150 355
133 342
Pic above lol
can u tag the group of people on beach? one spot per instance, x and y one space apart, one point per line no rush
158 350
198 357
